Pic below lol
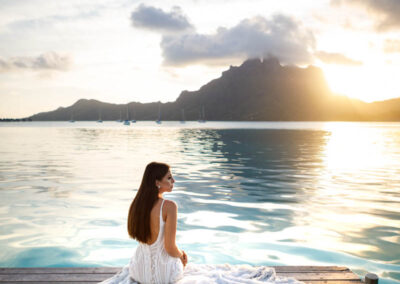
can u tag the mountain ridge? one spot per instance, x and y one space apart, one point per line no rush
257 90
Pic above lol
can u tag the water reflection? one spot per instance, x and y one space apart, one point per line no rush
332 181
321 194
262 168
356 197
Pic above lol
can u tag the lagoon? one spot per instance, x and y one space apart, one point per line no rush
261 193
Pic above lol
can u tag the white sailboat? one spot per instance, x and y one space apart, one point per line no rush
72 117
127 122
159 114
133 115
133 120
100 121
183 115
120 117
202 116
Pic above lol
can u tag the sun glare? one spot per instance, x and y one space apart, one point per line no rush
367 83
347 147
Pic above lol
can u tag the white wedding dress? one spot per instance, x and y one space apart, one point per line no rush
152 264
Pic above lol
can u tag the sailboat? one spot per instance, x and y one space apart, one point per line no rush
100 121
183 115
120 117
72 117
202 116
159 114
127 122
133 120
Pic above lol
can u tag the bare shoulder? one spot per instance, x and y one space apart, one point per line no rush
170 206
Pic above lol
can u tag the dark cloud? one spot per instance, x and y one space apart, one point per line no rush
336 58
391 46
156 19
387 12
46 61
280 36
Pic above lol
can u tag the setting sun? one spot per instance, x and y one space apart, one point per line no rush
365 82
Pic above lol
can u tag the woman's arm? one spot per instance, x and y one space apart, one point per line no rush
170 229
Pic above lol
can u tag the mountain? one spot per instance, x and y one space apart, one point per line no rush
259 90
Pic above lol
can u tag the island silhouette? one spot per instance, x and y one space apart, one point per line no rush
257 90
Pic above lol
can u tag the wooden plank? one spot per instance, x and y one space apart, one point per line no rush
54 277
47 282
309 268
76 275
89 282
320 276
43 270
334 282
102 276
117 269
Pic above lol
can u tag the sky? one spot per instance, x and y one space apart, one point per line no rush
53 53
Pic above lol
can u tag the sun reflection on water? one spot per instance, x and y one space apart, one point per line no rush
346 199
350 147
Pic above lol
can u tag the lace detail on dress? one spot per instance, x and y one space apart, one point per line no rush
153 258
152 263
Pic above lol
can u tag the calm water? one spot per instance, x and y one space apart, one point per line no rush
270 193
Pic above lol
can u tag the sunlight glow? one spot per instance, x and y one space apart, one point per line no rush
354 154
367 83
347 146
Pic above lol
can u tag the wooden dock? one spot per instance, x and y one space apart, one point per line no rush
80 275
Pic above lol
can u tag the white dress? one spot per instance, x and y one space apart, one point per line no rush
152 263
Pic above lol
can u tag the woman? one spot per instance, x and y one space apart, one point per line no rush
152 221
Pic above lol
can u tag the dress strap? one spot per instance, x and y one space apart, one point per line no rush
161 219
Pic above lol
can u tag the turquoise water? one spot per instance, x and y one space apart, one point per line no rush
262 193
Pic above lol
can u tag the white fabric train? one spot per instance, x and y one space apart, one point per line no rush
218 274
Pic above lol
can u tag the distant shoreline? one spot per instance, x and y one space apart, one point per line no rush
15 119
146 120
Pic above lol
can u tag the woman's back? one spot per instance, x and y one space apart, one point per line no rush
157 213
151 263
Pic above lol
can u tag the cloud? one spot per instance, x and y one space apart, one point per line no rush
391 46
386 12
50 13
47 61
280 36
336 58
156 19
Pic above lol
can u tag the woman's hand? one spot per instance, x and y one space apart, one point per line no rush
183 258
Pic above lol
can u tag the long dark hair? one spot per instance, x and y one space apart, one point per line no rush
146 197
